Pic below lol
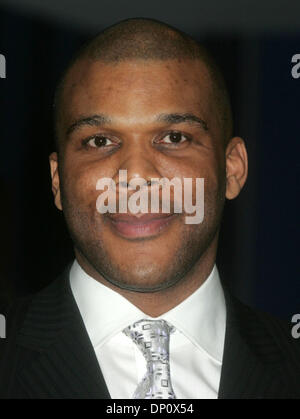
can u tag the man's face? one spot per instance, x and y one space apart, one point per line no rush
133 96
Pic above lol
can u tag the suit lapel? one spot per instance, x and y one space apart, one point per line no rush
58 357
251 361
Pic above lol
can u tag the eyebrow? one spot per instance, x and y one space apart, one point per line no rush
179 118
170 118
94 120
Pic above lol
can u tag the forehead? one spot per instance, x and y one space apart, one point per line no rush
136 88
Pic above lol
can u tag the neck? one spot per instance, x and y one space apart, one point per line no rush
155 304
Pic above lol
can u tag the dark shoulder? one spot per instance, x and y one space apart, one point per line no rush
269 334
13 312
16 310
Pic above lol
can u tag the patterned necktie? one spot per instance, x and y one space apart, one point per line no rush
152 338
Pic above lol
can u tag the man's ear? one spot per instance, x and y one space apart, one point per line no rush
236 167
53 159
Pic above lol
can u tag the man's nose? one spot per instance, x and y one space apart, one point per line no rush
139 163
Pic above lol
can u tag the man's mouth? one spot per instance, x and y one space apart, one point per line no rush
132 226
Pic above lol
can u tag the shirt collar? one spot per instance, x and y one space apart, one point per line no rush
201 317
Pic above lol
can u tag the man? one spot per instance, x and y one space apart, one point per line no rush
141 313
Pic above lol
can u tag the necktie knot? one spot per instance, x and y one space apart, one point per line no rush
152 338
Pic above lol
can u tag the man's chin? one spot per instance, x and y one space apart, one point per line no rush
142 286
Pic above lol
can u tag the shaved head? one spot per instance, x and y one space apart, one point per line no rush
142 39
147 39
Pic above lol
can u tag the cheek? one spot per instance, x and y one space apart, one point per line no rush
79 186
199 166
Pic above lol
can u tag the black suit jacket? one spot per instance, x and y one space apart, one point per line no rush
48 354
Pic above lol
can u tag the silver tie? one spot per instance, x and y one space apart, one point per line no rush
152 338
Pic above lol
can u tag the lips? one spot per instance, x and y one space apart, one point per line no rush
133 226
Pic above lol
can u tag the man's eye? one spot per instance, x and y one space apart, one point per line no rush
98 141
174 138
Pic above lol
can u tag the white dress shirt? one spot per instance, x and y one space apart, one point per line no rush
196 346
